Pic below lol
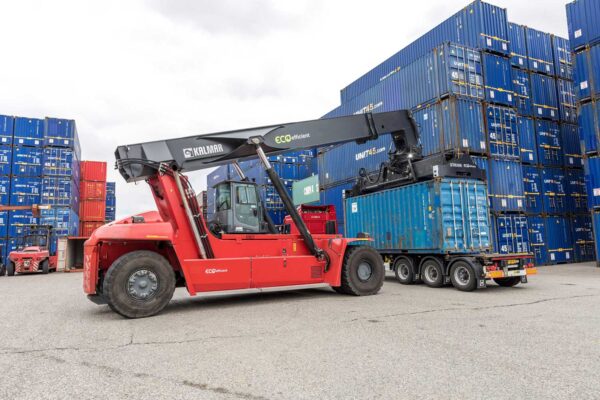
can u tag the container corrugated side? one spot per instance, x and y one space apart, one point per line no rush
550 151
539 51
4 190
7 124
86 228
497 79
92 210
522 89
589 123
587 73
479 25
582 19
554 193
441 216
592 181
518 45
19 221
64 221
575 189
505 182
28 132
544 96
25 191
559 240
450 124
510 232
537 239
527 142
93 170
583 238
58 161
27 161
502 131
567 105
92 190
6 153
563 61
571 145
62 133
60 191
532 178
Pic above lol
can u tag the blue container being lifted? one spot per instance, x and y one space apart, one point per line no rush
554 193
589 123
527 142
544 96
539 50
7 124
582 18
587 73
505 183
451 124
479 25
583 238
435 217
510 233
27 161
518 45
559 240
521 87
563 61
537 239
550 151
28 132
497 77
571 145
532 180
576 191
502 131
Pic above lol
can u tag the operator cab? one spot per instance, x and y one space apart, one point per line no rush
238 209
35 239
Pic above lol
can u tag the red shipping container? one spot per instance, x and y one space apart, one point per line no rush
92 190
87 227
93 171
92 210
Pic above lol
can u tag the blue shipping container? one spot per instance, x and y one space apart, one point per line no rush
532 179
510 234
521 87
27 161
550 151
553 191
576 191
62 133
571 145
563 62
60 191
28 132
592 181
566 101
539 50
506 190
450 124
518 45
537 239
589 123
18 221
582 18
4 190
3 225
559 240
587 73
441 216
57 161
479 25
7 124
5 160
25 191
64 221
543 94
596 232
333 195
583 238
497 78
527 142
502 131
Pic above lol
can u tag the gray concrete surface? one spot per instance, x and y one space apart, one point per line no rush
540 340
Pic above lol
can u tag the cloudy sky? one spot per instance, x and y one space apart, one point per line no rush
131 71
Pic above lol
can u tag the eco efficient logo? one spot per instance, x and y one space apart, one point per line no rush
211 271
281 139
208 150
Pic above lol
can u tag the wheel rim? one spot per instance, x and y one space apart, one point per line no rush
462 275
364 271
403 271
142 285
431 273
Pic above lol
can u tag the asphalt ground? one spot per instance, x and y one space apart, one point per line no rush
540 340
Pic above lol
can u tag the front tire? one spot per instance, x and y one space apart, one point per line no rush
404 270
462 276
508 282
432 273
45 267
363 271
139 284
10 269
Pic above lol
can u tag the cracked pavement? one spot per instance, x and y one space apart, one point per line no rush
538 340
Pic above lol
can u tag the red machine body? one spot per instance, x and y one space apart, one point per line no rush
318 219
32 259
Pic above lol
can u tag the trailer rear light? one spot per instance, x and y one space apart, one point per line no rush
492 267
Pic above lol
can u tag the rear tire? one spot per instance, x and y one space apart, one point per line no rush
10 269
404 270
45 267
363 271
432 273
462 276
508 282
139 284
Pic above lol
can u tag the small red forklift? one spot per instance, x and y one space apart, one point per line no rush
33 254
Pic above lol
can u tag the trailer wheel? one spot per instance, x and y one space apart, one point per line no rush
139 284
404 270
508 282
362 272
45 267
462 276
432 272
10 269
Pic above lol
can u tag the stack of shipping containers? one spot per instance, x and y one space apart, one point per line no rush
111 202
583 18
92 189
500 92
290 168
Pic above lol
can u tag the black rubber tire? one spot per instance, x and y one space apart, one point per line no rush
351 283
10 269
2 270
404 270
468 282
508 282
45 267
438 280
117 276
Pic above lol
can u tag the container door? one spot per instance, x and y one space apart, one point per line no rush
61 254
477 235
